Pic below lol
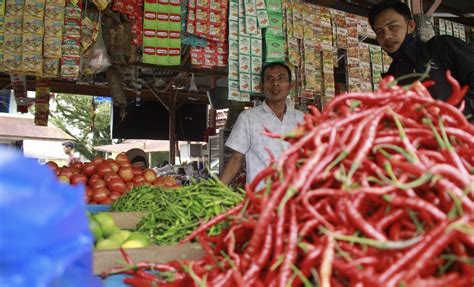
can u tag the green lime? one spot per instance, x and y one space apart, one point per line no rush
139 236
134 244
107 223
125 234
95 228
106 244
117 238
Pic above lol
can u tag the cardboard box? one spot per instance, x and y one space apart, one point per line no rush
104 260
127 220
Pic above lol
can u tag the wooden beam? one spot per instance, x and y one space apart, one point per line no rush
104 91
433 7
187 69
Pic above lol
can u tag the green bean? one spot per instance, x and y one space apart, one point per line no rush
172 214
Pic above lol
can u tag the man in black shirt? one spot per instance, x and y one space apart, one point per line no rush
394 27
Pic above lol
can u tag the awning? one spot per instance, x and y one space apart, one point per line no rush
17 127
145 145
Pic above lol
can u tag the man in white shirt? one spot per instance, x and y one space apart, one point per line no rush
247 139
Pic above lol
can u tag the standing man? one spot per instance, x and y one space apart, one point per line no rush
246 139
394 27
69 150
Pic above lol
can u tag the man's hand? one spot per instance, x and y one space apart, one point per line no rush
232 167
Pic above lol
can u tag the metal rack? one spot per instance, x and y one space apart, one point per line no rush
217 151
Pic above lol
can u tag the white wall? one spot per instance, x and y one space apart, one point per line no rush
45 150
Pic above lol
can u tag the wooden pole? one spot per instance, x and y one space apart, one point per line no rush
172 127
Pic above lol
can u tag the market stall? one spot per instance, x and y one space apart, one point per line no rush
382 197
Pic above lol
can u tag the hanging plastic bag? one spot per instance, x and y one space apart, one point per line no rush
44 234
96 59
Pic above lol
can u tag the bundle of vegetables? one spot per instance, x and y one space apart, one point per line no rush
175 213
377 190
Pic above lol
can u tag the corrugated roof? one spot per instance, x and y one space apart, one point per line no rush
21 127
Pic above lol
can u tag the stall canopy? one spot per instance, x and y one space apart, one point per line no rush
20 127
145 145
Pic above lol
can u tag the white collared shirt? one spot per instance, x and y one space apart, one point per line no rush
247 138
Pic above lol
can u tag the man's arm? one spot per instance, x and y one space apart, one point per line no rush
232 167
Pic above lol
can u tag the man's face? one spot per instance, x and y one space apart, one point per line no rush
391 28
276 84
67 149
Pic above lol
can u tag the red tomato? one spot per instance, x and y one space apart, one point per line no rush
137 171
64 179
114 196
121 158
138 180
76 170
93 179
98 184
130 185
98 160
89 168
107 200
125 164
79 178
103 169
169 181
109 176
126 173
115 166
88 191
149 174
66 171
52 165
100 194
78 165
87 198
117 185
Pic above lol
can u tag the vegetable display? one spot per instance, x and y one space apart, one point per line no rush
175 213
376 190
108 179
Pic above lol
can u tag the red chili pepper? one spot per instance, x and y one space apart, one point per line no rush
394 216
415 252
279 236
447 186
268 209
384 83
457 94
428 83
418 204
432 250
251 275
138 282
314 111
355 275
394 232
290 256
258 178
460 251
357 219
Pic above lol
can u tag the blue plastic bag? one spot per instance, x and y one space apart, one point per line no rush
44 234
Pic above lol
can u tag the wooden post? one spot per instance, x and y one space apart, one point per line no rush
172 127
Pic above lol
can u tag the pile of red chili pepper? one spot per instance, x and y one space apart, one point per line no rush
376 190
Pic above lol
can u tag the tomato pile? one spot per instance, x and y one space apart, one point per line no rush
376 190
107 179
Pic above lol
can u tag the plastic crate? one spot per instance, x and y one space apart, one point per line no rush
96 208
115 281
